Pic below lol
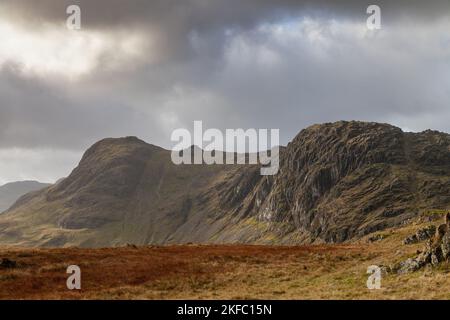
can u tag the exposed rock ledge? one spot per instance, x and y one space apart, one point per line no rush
437 250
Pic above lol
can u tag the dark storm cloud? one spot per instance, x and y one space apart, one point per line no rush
172 20
257 63
204 14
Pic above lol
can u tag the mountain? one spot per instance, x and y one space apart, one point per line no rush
10 192
337 181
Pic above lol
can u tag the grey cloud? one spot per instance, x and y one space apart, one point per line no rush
46 165
38 114
205 14
215 65
171 21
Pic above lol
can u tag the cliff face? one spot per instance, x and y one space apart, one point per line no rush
336 182
347 179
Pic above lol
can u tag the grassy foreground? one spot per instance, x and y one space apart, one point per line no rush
222 272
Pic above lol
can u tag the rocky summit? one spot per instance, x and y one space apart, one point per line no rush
337 182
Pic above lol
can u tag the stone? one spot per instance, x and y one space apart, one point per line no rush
8 264
421 235
377 237
445 247
411 240
408 266
385 269
426 233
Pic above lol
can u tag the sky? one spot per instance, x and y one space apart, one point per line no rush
146 67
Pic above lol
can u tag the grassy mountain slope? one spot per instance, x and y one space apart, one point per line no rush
337 181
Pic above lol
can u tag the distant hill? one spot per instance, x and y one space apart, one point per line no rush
10 192
337 181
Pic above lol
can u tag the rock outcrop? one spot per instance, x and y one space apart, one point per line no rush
343 180
421 235
437 250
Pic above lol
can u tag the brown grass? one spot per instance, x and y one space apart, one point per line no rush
221 272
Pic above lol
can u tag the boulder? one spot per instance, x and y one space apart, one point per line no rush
421 235
445 247
409 265
426 233
5 263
